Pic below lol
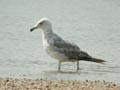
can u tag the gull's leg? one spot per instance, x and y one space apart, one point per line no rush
59 66
77 65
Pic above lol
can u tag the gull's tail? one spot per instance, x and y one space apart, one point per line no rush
86 57
97 60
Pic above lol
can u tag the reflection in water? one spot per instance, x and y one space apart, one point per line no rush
62 72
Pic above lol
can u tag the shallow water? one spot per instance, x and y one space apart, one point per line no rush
93 26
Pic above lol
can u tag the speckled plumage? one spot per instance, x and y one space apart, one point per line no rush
60 49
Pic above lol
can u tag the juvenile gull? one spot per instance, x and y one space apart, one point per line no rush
60 49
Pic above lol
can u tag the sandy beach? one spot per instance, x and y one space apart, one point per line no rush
40 84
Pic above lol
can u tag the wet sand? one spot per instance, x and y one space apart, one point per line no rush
40 84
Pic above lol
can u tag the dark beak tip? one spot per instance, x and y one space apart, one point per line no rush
31 30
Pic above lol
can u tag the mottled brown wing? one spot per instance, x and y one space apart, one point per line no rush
70 50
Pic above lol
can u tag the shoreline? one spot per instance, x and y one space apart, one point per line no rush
41 84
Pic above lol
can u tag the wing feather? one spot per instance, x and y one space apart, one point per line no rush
71 50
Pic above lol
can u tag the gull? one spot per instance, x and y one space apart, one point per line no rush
60 49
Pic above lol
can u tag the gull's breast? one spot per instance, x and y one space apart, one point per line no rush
51 49
45 41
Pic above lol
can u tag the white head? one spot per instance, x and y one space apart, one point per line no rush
43 24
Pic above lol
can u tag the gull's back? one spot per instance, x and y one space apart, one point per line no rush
63 49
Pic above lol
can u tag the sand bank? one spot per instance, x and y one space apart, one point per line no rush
28 84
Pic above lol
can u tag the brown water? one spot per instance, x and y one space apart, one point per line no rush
93 25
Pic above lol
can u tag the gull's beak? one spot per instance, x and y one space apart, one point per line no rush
33 29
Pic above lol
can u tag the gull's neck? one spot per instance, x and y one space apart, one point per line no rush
46 36
46 33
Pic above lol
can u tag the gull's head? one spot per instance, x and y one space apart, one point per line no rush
43 24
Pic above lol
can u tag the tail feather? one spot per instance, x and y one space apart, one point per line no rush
98 60
86 57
